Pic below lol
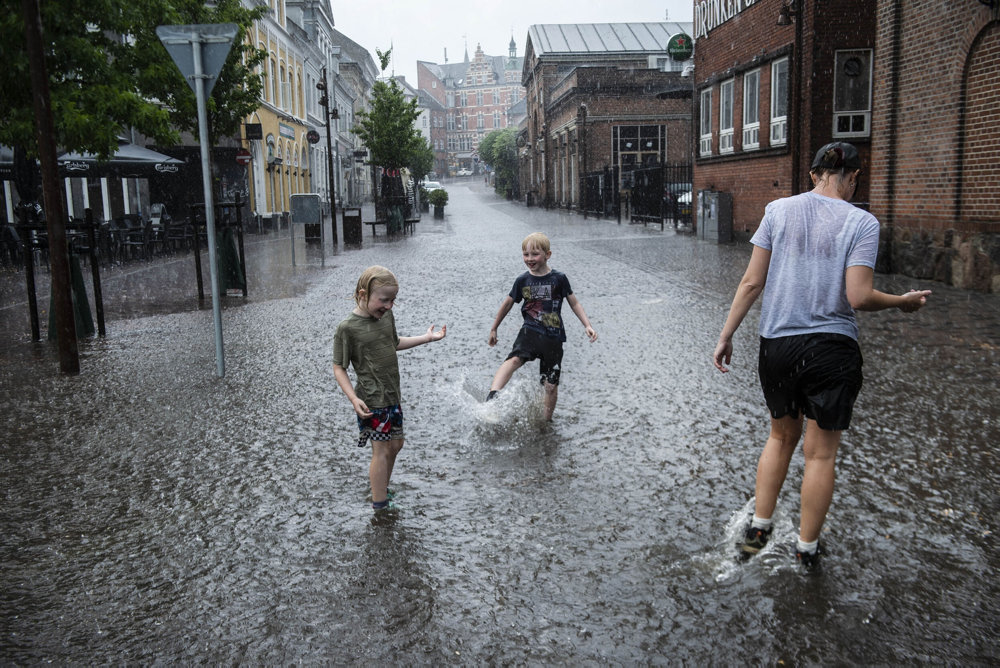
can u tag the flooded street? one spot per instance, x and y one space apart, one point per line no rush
153 513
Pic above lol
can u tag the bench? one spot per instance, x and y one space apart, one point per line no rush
407 223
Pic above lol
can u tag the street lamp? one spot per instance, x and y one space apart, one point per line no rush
327 115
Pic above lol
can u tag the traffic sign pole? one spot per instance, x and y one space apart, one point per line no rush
207 46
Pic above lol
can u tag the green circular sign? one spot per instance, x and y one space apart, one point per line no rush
680 46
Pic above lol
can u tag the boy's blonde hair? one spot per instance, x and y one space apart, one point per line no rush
373 278
537 240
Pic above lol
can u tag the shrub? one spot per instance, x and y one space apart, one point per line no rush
438 197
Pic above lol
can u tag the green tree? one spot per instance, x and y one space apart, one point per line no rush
108 73
422 160
499 150
388 128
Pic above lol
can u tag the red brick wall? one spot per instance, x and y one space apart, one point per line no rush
752 40
935 170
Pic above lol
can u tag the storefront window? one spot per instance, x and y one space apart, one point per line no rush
779 102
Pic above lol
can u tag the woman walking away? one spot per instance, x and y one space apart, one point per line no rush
367 339
814 260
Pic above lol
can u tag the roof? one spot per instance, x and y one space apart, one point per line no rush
582 38
351 51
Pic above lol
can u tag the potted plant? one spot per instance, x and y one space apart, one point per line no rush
438 198
424 205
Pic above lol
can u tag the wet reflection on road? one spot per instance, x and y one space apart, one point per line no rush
153 512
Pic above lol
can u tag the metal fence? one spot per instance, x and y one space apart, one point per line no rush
655 194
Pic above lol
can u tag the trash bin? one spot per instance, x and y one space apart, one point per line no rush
352 227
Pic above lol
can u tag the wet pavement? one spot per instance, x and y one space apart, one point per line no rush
153 512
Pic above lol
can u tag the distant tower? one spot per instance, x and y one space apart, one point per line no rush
512 47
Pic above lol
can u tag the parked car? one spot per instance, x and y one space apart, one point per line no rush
464 172
431 186
677 202
684 207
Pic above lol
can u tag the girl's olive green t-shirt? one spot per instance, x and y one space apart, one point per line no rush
369 345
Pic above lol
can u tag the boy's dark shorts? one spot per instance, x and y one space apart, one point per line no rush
384 424
530 345
818 375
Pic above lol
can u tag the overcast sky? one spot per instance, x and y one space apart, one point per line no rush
423 30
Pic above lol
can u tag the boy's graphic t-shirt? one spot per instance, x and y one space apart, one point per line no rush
543 297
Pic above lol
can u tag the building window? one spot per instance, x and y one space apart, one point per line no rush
852 93
496 118
479 98
705 142
465 99
451 100
779 102
751 110
451 122
479 121
726 116
635 146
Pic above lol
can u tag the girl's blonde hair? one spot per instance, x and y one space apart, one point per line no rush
373 278
537 240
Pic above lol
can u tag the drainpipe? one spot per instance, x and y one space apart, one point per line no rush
797 96
890 178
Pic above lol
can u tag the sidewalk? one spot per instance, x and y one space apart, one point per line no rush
168 283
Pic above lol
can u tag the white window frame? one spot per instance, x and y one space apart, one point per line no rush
852 122
726 123
705 138
751 110
779 122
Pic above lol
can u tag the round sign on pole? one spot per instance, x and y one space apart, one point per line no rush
243 156
312 136
680 46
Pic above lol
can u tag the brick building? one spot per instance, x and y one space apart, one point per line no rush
593 115
936 140
774 83
477 96
777 79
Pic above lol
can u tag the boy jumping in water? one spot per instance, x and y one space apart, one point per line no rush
542 291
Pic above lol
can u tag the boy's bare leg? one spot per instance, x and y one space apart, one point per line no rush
380 470
820 450
772 467
504 373
551 395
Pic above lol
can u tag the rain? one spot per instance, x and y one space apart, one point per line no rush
156 513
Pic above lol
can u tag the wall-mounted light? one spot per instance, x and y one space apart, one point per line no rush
788 11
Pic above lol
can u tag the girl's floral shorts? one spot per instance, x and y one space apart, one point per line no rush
384 424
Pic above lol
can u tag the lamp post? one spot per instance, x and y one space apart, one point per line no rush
327 114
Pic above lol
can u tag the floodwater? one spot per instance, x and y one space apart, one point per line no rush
155 513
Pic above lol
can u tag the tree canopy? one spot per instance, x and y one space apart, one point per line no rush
108 72
388 127
499 150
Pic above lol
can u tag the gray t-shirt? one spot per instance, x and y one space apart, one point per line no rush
370 345
813 239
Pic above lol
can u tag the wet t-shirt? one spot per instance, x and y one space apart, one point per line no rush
370 346
543 297
813 239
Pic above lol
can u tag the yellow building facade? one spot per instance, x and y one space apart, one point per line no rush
279 154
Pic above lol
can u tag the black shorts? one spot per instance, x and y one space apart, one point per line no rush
530 345
818 375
